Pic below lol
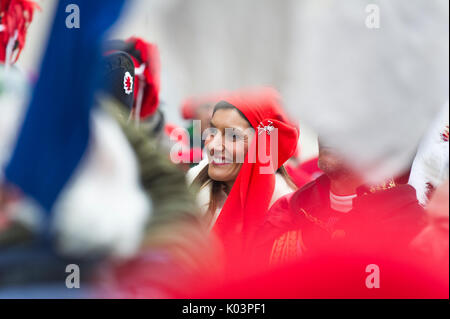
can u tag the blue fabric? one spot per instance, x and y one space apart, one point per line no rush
55 132
31 270
47 291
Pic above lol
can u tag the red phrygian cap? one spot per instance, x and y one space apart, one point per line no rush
250 197
15 16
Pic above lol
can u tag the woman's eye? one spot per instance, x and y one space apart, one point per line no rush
210 133
232 136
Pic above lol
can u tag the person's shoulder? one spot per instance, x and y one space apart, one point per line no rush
280 214
288 203
282 189
313 185
409 205
282 204
284 215
309 193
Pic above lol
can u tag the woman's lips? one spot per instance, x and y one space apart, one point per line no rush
220 162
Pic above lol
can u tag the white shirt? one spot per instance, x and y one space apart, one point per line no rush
342 204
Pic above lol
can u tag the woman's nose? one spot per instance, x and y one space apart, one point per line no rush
216 144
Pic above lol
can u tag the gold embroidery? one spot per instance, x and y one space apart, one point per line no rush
390 183
285 248
338 233
316 221
276 249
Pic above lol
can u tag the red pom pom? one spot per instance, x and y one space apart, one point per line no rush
15 17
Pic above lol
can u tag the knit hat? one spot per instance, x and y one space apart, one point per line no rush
119 77
250 197
146 61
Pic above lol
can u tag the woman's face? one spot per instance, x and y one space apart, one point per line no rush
227 145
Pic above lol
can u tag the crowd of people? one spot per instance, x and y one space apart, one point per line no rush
224 208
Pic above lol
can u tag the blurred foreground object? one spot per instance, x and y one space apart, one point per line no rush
79 59
14 94
336 271
433 241
48 166
378 218
339 274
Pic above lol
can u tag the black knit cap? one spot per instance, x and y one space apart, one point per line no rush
118 76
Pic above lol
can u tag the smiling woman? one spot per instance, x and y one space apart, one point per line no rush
228 142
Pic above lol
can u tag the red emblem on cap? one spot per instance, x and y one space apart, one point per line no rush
128 83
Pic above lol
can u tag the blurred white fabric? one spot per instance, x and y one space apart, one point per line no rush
431 164
104 209
14 94
371 92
